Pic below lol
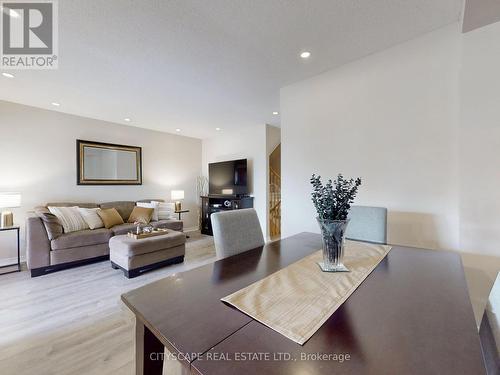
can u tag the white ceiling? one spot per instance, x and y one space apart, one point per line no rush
202 64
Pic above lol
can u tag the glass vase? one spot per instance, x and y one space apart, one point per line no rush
333 233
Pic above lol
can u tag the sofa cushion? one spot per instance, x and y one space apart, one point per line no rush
153 205
110 217
91 217
81 238
166 211
123 228
141 214
50 221
169 224
124 208
70 218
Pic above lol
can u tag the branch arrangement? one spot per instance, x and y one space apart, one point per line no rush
333 200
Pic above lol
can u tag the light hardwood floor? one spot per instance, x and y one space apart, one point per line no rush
73 321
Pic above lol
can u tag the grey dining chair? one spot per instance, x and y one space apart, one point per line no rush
367 224
489 331
236 231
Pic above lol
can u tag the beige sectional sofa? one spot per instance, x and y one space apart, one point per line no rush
45 255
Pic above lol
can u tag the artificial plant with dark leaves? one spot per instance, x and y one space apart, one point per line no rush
333 200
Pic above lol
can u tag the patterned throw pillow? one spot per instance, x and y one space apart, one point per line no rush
153 205
70 218
91 217
166 211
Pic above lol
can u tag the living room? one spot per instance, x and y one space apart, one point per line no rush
249 187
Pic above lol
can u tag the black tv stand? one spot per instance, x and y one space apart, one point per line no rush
216 203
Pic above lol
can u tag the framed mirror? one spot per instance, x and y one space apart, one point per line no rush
108 164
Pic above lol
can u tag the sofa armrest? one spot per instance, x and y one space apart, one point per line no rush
37 243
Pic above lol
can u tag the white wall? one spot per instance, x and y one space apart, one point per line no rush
247 143
420 124
479 133
390 119
38 158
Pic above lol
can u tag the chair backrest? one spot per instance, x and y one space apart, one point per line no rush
489 331
236 231
367 224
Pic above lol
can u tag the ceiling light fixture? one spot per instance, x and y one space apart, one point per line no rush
305 54
276 113
8 75
177 130
126 119
55 104
218 129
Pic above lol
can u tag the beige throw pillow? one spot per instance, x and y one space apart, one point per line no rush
110 217
91 217
166 211
141 214
153 205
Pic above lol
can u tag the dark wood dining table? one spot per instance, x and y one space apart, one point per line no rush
412 315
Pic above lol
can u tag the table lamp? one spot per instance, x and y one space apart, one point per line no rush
177 196
8 200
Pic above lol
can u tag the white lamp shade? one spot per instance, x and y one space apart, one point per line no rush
10 200
177 195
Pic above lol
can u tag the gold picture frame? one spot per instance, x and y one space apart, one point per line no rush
108 164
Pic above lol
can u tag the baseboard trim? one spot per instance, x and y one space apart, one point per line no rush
35 272
11 260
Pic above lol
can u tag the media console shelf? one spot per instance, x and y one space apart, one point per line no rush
217 203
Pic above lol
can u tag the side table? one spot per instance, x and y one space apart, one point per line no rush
18 264
182 212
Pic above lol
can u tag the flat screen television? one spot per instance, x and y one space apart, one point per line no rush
228 177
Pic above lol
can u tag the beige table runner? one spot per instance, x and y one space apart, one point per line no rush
298 299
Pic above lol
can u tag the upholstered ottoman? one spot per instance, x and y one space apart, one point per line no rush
135 257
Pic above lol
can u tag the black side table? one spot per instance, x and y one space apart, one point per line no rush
18 264
181 212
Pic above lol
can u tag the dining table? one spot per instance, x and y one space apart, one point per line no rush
411 315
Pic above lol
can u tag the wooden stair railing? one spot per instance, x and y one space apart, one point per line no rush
274 203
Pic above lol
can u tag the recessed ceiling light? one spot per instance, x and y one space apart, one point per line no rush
8 75
218 129
276 113
127 119
305 54
55 104
177 130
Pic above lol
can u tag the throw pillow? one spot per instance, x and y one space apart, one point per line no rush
51 223
153 205
110 217
91 217
70 218
166 211
141 214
